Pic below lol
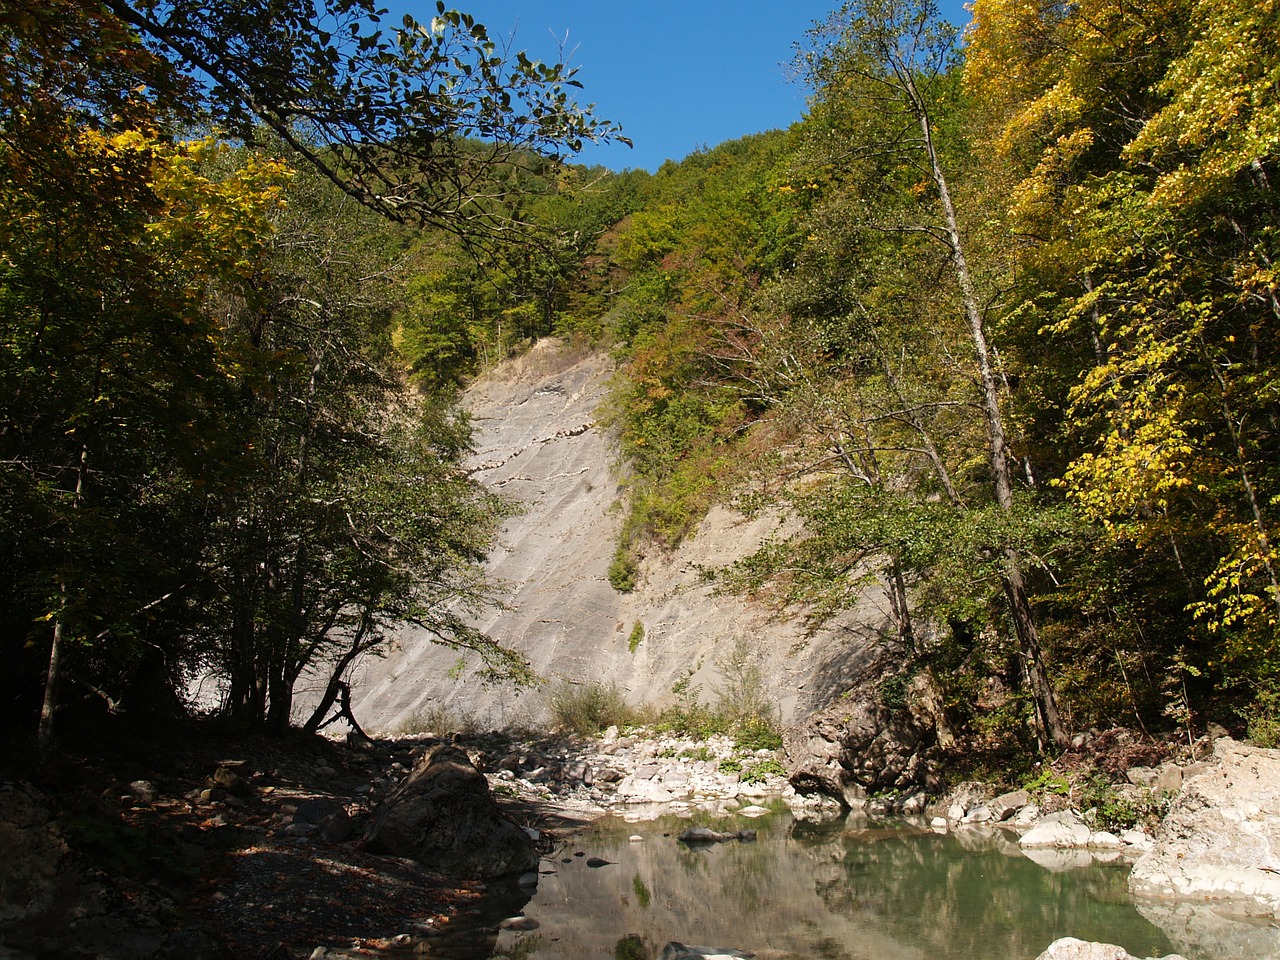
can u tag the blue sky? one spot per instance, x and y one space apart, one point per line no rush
676 75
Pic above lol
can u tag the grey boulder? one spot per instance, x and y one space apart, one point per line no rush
444 816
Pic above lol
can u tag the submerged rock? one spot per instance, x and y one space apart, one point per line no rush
683 951
707 835
444 817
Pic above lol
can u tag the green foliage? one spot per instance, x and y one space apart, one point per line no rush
1115 811
636 637
623 570
1263 717
587 709
761 770
1048 782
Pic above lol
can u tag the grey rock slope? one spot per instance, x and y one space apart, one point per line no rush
538 441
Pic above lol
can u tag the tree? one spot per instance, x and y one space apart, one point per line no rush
413 121
893 56
129 395
1142 139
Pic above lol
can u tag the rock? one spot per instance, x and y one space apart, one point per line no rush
938 823
53 903
1141 776
1060 830
680 951
979 814
1168 779
1104 840
696 835
1069 948
336 827
143 791
914 803
520 923
444 816
1220 840
1027 816
228 777
1137 839
857 746
634 789
1007 804
315 810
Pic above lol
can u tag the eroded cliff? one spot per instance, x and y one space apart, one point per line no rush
539 441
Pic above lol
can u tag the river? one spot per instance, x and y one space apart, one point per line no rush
846 890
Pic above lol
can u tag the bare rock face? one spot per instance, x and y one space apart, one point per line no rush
540 442
1221 839
444 817
859 746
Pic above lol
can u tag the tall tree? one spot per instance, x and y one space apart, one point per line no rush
893 56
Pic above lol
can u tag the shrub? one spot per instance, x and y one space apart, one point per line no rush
587 709
623 570
636 638
762 769
1263 718
437 719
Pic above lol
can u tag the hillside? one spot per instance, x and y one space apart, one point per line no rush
538 441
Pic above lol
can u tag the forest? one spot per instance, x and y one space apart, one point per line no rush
996 319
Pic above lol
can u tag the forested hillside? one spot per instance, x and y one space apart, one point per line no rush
997 320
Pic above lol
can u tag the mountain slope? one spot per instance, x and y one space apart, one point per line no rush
538 441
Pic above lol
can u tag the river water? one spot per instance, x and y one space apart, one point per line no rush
847 890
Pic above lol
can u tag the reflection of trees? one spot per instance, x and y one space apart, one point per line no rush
849 890
930 892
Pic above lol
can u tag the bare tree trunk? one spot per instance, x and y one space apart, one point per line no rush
1014 584
49 706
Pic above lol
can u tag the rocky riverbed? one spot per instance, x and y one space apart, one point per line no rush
275 847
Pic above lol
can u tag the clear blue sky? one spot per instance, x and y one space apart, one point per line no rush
676 75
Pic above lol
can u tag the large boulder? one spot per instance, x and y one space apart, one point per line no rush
859 745
444 817
53 903
1221 839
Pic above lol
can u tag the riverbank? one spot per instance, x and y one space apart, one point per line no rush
213 844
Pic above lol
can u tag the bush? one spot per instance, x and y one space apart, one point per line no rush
587 709
623 570
437 719
1263 718
636 638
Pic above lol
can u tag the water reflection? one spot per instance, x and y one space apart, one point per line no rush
844 891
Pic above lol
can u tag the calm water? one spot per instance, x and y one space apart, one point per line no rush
846 890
